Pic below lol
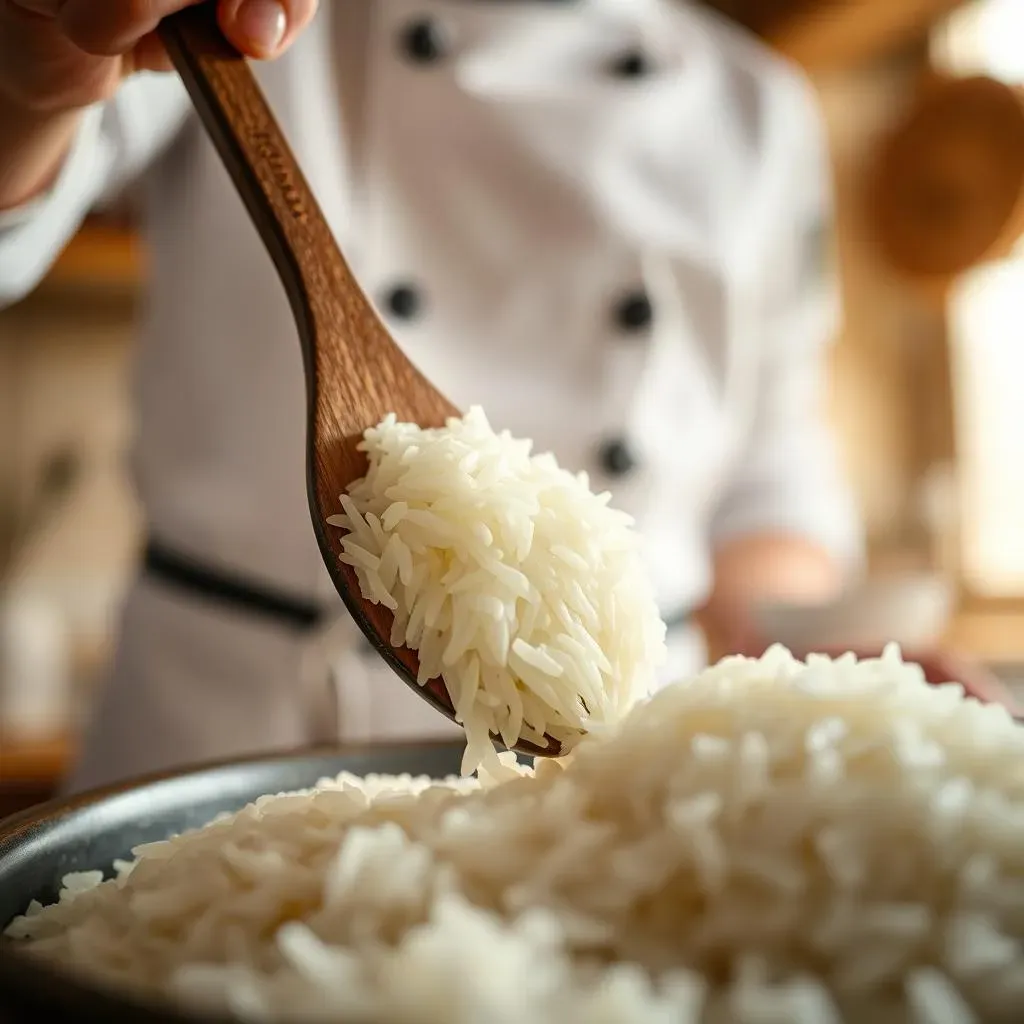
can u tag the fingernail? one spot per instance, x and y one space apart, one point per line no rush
262 24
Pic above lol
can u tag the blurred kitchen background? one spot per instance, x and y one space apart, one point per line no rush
928 374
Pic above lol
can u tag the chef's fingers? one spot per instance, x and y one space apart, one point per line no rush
149 55
265 28
111 28
259 28
44 8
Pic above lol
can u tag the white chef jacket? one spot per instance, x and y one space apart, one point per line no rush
601 220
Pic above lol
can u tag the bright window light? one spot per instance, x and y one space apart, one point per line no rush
983 38
1001 31
987 321
987 325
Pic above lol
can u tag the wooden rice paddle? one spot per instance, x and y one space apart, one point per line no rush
355 372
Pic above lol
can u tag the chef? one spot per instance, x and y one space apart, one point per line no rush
601 220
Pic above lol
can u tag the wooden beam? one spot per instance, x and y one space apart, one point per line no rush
101 254
832 35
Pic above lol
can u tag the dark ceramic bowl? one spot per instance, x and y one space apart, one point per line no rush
86 833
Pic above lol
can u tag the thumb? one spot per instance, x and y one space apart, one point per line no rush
264 28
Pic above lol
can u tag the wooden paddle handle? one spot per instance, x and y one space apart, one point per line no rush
266 174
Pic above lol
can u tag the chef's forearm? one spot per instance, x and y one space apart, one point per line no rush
33 146
765 566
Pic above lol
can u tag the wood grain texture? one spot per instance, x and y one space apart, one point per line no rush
355 373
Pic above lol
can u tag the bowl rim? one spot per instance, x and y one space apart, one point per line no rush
60 806
24 978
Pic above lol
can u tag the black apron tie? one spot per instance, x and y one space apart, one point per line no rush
241 595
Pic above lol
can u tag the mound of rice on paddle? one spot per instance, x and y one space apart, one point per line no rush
513 581
772 842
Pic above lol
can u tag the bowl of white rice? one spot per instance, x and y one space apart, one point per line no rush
773 842
73 842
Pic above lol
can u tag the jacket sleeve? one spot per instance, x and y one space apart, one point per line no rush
789 476
114 142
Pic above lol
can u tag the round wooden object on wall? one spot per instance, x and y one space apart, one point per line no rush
946 191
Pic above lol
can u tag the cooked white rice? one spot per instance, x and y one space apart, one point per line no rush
772 843
512 580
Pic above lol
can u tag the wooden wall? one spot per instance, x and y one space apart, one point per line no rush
891 393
